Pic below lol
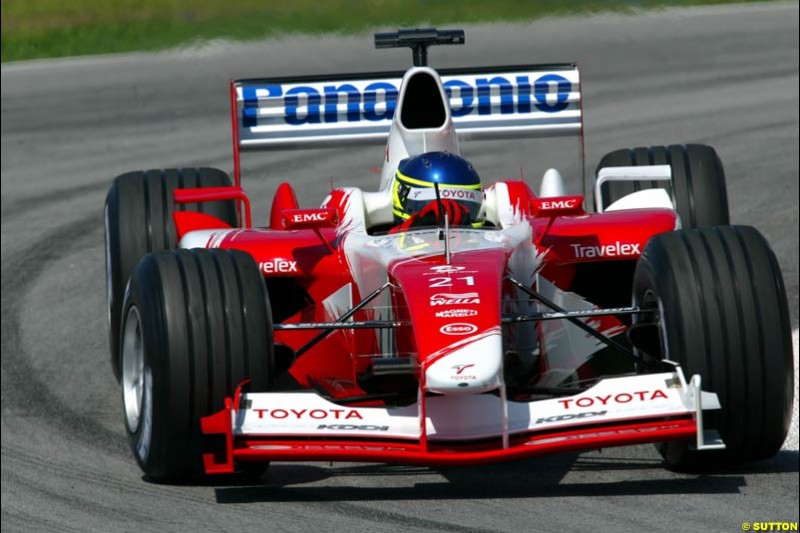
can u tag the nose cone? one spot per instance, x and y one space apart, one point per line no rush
471 367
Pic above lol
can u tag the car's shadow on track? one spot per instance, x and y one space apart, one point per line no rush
533 478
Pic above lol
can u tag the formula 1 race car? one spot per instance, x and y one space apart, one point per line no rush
529 326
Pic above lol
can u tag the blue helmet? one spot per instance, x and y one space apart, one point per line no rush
414 181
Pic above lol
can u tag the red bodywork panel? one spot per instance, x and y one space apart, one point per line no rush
435 455
431 287
600 237
428 295
312 257
284 199
186 221
212 194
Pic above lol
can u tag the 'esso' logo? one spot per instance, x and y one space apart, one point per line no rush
458 328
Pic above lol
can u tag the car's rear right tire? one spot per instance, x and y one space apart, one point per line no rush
197 323
697 190
722 313
138 220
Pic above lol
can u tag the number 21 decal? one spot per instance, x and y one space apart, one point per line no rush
448 282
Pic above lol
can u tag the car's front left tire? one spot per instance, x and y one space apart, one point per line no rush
721 309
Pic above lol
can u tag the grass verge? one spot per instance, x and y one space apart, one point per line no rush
55 28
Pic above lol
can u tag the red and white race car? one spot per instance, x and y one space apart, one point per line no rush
541 327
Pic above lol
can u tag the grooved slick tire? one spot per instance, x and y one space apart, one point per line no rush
723 315
698 189
138 219
196 323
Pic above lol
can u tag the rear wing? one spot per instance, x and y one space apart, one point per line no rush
486 103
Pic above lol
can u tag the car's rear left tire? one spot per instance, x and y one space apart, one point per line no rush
197 323
698 190
138 220
721 303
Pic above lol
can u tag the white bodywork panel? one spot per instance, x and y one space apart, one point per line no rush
470 417
205 238
404 142
479 364
552 184
647 198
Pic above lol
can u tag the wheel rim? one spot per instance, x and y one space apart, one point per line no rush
136 387
650 301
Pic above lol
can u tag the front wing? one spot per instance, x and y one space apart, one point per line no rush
458 430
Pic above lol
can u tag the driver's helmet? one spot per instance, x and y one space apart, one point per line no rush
458 181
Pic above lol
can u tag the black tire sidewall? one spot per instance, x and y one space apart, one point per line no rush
206 327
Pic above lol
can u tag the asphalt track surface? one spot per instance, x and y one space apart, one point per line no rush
725 76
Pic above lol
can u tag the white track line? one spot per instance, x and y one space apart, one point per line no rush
791 439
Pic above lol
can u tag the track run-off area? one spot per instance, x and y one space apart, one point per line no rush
725 76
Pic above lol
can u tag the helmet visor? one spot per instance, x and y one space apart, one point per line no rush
413 199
